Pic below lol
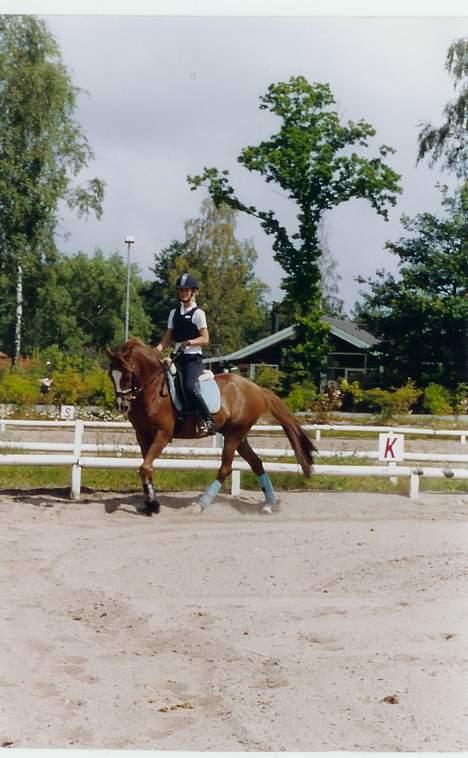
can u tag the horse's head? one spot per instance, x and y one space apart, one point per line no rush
121 371
129 370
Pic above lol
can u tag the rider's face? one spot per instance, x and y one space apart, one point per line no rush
185 294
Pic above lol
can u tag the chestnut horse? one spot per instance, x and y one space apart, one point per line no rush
140 384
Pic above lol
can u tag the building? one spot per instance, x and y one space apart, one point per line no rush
348 357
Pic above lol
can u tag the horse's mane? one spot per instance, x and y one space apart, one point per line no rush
135 345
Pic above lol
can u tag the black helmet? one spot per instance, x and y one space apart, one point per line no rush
187 280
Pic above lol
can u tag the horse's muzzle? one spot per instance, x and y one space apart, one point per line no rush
124 399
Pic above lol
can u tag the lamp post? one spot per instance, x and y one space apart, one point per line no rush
129 241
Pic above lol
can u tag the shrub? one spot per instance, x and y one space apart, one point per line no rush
461 399
68 387
352 393
436 400
330 400
392 402
97 388
301 397
268 377
18 388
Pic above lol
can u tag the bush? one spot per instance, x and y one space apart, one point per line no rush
68 387
436 400
18 388
460 401
392 402
97 388
268 377
352 394
301 397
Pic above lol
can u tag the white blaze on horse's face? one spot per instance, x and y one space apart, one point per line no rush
123 403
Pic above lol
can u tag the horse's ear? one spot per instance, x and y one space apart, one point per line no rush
109 351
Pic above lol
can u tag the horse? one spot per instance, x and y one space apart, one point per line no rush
139 377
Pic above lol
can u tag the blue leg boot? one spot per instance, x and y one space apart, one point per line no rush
210 493
270 495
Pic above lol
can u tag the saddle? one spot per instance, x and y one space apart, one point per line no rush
207 386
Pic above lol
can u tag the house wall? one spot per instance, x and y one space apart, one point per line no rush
344 360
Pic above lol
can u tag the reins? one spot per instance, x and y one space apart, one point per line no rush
134 391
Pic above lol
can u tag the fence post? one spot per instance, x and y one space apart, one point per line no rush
76 468
392 465
235 482
414 486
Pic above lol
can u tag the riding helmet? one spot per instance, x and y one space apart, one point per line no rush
187 280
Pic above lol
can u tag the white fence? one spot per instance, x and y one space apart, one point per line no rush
71 454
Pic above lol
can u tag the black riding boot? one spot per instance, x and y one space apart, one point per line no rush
206 425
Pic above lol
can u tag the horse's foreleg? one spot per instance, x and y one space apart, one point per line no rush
224 470
264 480
146 470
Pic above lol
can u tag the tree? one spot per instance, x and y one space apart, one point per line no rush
42 150
310 158
229 291
80 304
449 141
332 304
422 316
159 295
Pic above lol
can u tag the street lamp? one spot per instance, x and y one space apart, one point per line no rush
129 241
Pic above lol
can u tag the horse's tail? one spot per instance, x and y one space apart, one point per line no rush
301 444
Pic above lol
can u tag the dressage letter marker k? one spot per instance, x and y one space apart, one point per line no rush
391 447
388 453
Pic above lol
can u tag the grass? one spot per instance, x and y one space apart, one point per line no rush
53 477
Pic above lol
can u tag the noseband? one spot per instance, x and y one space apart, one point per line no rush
135 390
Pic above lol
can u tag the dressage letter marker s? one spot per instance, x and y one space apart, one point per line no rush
391 447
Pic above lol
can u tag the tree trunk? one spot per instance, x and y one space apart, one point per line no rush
19 315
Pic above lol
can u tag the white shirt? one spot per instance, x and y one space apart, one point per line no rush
198 318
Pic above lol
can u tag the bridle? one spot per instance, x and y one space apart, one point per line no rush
135 389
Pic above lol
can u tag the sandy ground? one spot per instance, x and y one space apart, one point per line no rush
338 623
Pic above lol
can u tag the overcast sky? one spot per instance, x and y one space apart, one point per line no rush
168 95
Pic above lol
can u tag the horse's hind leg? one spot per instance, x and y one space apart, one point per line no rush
229 448
255 463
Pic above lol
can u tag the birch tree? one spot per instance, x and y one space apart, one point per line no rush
42 152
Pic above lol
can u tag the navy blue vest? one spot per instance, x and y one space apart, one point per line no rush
183 327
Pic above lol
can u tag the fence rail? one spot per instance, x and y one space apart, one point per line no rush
71 454
317 428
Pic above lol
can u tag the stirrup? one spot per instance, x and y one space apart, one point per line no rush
206 426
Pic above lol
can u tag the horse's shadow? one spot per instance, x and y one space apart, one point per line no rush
133 504
128 502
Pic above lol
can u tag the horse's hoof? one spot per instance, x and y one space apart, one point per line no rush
195 508
154 506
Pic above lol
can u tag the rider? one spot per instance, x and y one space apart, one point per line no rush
187 327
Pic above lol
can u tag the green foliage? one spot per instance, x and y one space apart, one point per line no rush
436 400
229 291
18 388
352 393
310 159
42 151
301 397
391 403
421 316
269 377
68 387
98 388
448 142
461 399
79 305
